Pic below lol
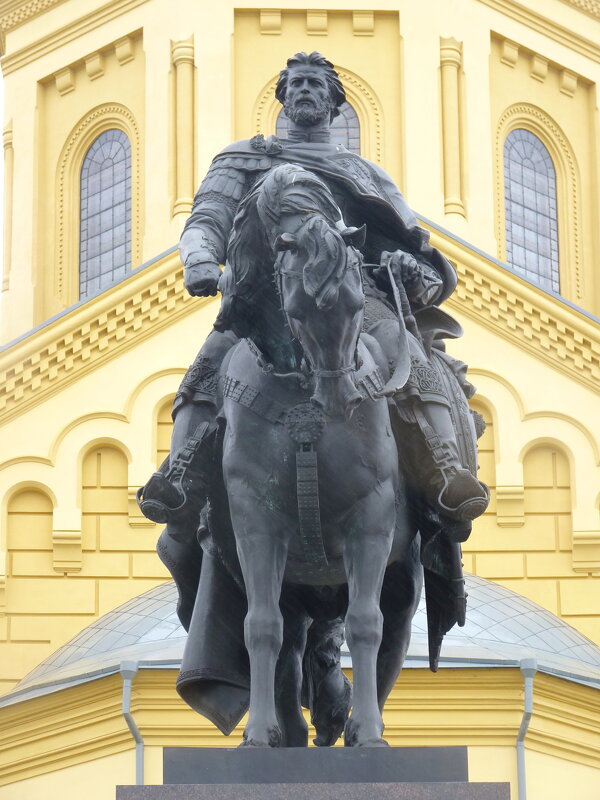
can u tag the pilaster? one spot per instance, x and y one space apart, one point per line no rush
7 140
450 64
182 54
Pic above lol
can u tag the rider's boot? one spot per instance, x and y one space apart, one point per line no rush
181 484
456 492
177 491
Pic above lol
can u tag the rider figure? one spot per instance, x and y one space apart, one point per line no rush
311 94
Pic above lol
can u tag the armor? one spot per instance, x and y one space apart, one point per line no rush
431 410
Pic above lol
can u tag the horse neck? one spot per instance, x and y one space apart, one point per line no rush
268 328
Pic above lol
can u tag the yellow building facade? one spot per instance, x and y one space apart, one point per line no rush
437 89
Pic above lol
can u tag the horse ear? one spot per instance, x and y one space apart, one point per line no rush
285 242
355 236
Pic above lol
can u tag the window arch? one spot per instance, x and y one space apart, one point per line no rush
105 212
345 128
530 199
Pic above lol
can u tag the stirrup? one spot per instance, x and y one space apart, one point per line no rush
152 506
171 491
464 483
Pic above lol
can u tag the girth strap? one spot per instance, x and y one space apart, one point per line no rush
256 401
309 514
305 424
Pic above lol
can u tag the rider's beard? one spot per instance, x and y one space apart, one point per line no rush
306 114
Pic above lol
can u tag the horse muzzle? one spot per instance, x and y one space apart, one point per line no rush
336 395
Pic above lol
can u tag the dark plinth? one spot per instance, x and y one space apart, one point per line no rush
319 791
315 773
314 765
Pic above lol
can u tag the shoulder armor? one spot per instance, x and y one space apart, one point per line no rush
222 180
242 146
248 163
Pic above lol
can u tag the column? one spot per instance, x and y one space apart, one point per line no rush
450 61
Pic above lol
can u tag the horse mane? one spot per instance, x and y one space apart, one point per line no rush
325 261
290 189
248 247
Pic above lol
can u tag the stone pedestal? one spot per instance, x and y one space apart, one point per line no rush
395 773
318 791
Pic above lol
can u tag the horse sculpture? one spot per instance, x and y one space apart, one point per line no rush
310 466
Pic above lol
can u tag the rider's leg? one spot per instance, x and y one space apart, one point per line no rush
424 404
454 489
180 484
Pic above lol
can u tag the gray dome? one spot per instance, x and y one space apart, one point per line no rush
502 628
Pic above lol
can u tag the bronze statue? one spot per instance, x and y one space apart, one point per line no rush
323 449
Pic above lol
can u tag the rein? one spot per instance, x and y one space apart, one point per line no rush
299 273
333 373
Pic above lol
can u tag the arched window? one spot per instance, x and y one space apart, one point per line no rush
530 204
105 213
345 128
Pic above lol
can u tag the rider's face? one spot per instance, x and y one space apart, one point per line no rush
307 100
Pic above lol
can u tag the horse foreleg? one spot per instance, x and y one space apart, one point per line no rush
288 674
365 557
400 595
262 557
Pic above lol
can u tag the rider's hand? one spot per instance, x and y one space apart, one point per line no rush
201 279
405 268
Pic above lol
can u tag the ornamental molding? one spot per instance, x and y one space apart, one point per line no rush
89 719
532 118
590 48
61 36
535 322
82 339
591 7
13 14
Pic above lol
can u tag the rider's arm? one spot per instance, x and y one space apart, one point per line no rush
425 287
422 283
203 243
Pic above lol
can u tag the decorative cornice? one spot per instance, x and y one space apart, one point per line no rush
60 37
559 705
92 333
75 726
510 307
80 723
13 14
591 7
542 24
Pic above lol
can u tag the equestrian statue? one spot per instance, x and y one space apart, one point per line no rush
323 462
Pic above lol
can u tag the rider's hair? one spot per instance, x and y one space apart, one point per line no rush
336 90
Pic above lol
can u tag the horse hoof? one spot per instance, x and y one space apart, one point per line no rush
373 743
274 739
353 738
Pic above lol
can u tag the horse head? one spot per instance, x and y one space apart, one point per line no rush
318 274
